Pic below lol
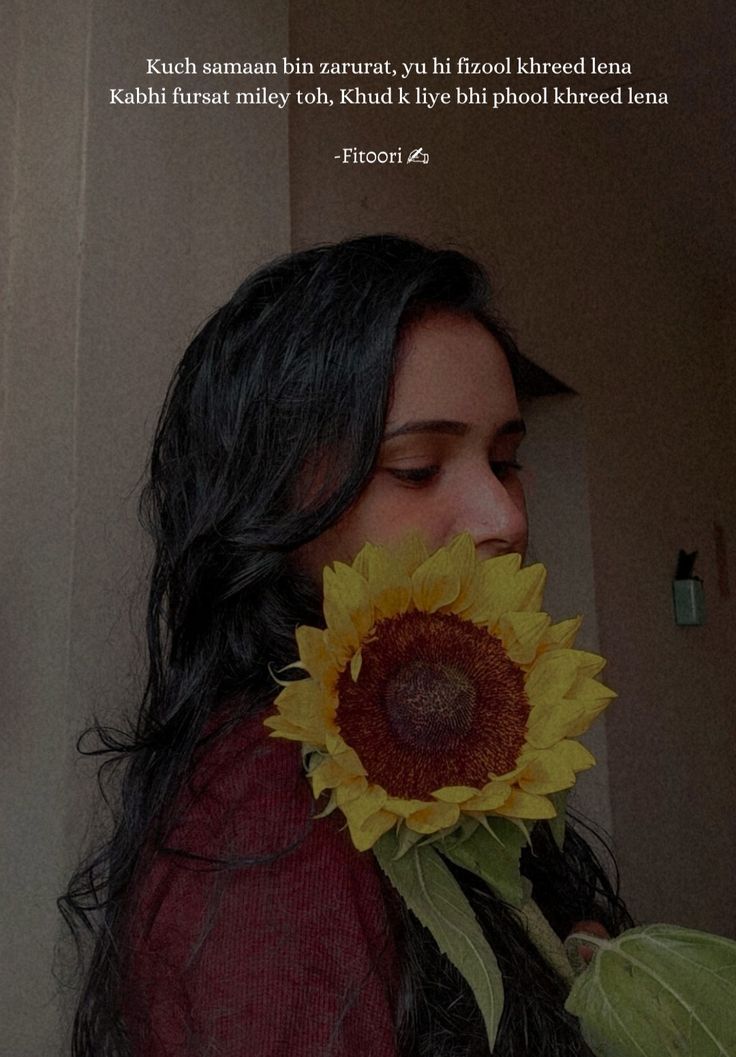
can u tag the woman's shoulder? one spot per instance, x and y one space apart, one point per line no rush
244 794
258 927
248 807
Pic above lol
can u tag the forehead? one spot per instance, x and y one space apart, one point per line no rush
451 367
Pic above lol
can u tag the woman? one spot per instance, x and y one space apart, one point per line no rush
345 393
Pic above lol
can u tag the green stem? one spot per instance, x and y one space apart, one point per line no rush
546 940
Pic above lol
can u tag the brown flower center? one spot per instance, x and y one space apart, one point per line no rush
425 701
437 703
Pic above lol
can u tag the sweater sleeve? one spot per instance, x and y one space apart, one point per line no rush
282 945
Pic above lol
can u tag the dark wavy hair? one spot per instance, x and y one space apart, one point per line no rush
299 362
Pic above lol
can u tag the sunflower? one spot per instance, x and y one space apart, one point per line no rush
438 691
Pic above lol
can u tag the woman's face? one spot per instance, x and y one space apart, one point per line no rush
448 461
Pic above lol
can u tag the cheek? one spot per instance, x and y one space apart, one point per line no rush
517 494
400 511
384 514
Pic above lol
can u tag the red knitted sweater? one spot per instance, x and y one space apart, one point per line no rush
289 956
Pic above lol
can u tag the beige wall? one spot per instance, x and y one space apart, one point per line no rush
609 232
121 229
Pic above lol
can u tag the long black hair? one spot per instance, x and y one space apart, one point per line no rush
297 364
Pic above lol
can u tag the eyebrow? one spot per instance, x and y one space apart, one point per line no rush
457 429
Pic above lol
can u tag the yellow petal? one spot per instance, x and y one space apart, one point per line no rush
407 553
362 559
553 675
352 590
455 794
529 585
325 776
356 663
366 835
347 606
342 636
350 763
503 568
521 634
511 588
526 805
553 722
432 817
284 728
563 719
358 808
561 635
491 592
564 697
307 703
410 552
584 720
576 755
589 664
351 792
508 776
315 653
335 744
403 807
435 583
360 841
503 587
586 688
300 696
302 707
461 552
491 796
389 583
555 768
330 774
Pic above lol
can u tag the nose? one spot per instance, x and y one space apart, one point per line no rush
494 513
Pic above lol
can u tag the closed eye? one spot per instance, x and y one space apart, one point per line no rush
415 474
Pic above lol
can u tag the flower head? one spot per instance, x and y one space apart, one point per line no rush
438 690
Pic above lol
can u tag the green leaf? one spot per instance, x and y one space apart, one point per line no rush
433 895
406 840
557 824
493 855
658 991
